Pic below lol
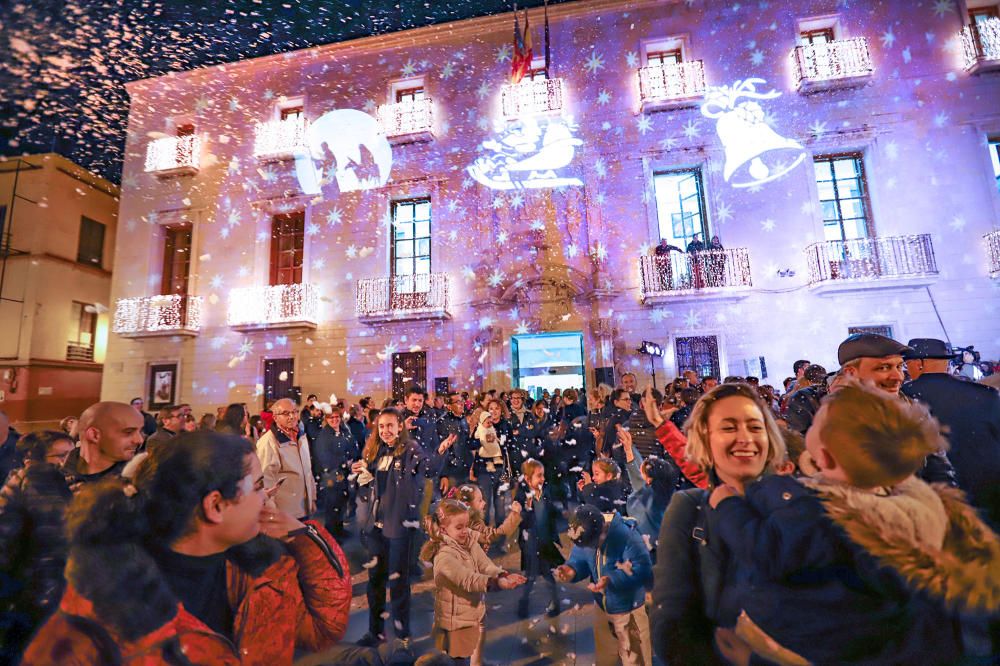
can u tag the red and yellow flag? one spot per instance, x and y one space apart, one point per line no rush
520 64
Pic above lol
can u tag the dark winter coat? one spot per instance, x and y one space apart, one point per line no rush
802 407
9 459
425 433
32 550
398 512
694 588
458 458
161 436
539 535
312 425
523 435
359 431
608 496
332 454
824 562
624 559
971 413
148 424
283 597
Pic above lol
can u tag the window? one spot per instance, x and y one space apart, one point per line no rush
408 368
883 330
411 242
699 353
664 57
994 146
279 379
537 72
287 244
291 113
410 94
817 36
91 248
185 129
82 330
176 260
983 14
843 196
680 206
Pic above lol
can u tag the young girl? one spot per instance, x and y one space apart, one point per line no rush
472 496
606 490
538 537
462 575
490 463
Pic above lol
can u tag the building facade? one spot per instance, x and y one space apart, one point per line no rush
355 216
57 232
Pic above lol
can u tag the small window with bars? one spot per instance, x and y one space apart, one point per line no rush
698 353
884 330
82 331
816 36
410 95
843 196
984 14
185 129
287 247
664 57
291 113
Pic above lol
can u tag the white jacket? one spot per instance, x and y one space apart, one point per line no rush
290 461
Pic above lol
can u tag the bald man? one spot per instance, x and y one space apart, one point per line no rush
284 456
110 434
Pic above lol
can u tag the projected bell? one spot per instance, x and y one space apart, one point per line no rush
755 153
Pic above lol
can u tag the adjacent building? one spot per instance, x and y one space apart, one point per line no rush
352 217
57 230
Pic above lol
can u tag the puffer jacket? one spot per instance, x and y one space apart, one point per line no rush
461 578
285 596
624 559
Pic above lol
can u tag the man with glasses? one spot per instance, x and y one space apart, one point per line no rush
332 454
458 460
523 431
285 460
171 423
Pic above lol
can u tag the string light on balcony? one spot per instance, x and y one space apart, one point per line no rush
672 80
841 59
275 304
147 314
279 137
532 96
406 117
981 41
867 259
173 152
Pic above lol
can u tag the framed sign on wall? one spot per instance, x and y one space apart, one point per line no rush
162 387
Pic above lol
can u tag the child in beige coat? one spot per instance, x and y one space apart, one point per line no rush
462 575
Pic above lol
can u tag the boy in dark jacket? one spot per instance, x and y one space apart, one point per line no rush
610 552
864 562
538 537
332 454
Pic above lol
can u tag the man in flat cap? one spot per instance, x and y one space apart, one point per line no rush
971 413
878 360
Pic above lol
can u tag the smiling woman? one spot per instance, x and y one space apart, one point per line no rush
734 439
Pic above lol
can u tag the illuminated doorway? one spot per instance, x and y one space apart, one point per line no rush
548 361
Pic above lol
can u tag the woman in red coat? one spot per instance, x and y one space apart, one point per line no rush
189 566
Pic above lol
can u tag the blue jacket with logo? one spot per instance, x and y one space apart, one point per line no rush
624 559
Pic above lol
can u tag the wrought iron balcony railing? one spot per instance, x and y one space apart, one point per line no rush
279 139
992 241
871 259
834 64
981 44
671 83
532 96
78 352
693 273
410 120
404 297
275 306
174 155
172 314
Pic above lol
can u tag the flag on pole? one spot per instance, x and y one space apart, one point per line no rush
520 64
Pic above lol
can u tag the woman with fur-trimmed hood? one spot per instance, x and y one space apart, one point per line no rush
864 562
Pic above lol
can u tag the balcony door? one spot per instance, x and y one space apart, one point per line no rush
279 379
408 368
411 254
699 353
176 271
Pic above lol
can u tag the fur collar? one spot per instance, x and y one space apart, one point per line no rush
964 572
131 596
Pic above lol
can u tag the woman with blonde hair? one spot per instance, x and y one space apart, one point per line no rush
733 437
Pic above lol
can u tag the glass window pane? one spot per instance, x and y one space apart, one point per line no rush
823 170
422 229
825 190
404 266
423 265
849 187
404 212
832 232
423 210
829 210
404 248
424 246
850 208
855 228
846 168
404 230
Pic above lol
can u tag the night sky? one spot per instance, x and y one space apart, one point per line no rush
64 62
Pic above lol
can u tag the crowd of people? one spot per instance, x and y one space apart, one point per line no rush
849 517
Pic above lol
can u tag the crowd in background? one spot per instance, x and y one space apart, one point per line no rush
846 517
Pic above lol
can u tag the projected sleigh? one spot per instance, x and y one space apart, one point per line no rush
526 156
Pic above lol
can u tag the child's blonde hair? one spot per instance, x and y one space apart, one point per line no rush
445 510
608 466
530 466
878 439
466 493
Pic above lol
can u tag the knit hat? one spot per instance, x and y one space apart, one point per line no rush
585 526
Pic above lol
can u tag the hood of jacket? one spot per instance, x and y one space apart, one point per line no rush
964 573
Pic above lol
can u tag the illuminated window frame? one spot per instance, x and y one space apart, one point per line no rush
398 241
287 247
176 273
665 56
696 172
839 220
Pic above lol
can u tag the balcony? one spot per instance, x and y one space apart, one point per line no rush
273 307
671 85
151 316
839 64
992 241
709 275
403 298
981 45
174 156
532 97
79 352
889 262
410 121
279 139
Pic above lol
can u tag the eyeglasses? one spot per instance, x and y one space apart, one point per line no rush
285 413
57 457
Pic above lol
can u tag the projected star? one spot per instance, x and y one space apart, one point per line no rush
504 53
409 69
447 71
888 39
692 129
644 124
942 7
594 63
632 59
603 97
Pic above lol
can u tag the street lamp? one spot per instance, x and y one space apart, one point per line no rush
652 350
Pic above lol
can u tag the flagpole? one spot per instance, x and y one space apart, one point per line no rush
546 3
